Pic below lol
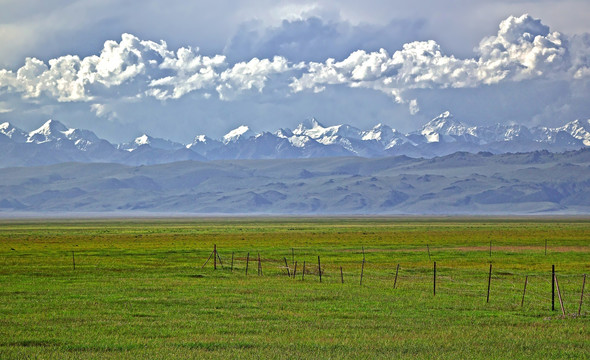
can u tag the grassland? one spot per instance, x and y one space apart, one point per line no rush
138 290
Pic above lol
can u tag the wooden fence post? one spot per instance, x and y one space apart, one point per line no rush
295 270
73 261
214 257
247 262
287 266
552 287
320 268
362 271
219 258
428 249
489 283
342 277
232 261
209 258
434 281
582 296
396 272
526 279
559 295
259 266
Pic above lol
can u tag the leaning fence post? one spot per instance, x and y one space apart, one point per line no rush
526 279
295 270
395 281
342 276
489 283
206 262
320 268
582 296
287 266
559 295
219 257
552 287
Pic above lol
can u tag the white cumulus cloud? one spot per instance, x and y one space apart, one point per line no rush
151 67
523 48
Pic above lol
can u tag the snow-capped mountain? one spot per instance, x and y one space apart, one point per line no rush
51 131
386 136
444 128
54 142
13 133
239 133
579 129
202 144
156 143
56 134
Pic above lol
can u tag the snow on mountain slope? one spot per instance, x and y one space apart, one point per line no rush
13 133
156 143
441 136
241 132
386 136
579 129
51 130
444 128
501 133
55 133
202 144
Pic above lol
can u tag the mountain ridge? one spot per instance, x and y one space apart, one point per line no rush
461 183
54 142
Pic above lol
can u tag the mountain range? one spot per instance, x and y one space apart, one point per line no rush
538 182
54 143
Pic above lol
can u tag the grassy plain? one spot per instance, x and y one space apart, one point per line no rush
138 290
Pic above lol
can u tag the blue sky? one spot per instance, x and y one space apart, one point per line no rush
176 69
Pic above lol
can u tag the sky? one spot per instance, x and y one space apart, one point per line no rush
177 69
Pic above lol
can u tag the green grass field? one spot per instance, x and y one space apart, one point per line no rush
138 290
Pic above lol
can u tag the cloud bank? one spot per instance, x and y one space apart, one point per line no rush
133 70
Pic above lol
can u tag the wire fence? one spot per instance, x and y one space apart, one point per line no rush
515 288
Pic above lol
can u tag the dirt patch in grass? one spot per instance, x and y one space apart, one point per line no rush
523 248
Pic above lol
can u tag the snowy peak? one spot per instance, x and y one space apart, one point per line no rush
200 139
50 131
13 133
202 144
443 127
379 132
156 143
241 132
579 129
441 136
386 136
307 125
144 139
